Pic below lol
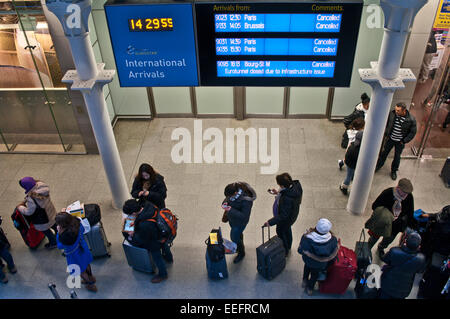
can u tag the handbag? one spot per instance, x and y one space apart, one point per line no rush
363 252
225 217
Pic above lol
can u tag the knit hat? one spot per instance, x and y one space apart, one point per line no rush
27 183
405 185
323 226
413 241
131 206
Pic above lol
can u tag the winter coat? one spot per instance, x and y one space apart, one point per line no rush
398 276
4 243
318 255
39 195
239 214
380 223
406 217
146 233
359 111
288 205
75 248
409 127
157 191
351 156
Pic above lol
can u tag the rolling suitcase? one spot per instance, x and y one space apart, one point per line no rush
97 242
432 284
138 258
363 253
341 273
271 257
216 263
30 235
445 173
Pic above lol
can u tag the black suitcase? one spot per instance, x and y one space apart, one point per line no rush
271 257
216 263
445 173
92 213
363 253
432 284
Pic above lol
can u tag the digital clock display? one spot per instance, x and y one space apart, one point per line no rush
150 24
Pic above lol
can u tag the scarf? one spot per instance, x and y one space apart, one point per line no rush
234 197
397 208
318 238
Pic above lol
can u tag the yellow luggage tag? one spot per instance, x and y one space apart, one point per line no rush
213 238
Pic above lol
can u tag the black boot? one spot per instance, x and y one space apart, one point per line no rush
240 252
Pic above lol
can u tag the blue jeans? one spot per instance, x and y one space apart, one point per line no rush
6 256
157 256
236 234
349 177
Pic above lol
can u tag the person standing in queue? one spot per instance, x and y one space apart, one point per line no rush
149 186
39 206
238 202
147 235
286 208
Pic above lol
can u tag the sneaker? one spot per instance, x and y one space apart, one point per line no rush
341 164
157 279
12 270
4 280
50 246
343 190
393 176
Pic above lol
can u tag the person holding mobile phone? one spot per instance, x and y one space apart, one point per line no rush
238 202
149 186
286 208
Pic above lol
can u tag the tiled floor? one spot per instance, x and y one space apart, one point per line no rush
309 150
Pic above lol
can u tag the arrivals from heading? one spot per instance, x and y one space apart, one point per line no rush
283 22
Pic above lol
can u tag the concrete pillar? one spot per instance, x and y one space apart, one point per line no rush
385 77
89 78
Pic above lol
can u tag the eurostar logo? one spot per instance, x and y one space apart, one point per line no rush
131 50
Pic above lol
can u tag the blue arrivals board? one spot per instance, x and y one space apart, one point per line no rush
241 43
153 44
286 43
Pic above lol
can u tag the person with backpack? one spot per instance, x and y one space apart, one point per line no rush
319 248
237 205
437 233
39 206
286 208
351 157
149 186
402 264
146 234
6 256
360 111
70 237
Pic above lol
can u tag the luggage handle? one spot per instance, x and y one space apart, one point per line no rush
23 217
262 229
362 235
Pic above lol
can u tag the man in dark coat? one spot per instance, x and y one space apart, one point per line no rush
402 265
286 209
146 235
400 201
400 130
6 256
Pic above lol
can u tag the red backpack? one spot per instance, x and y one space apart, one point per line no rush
167 224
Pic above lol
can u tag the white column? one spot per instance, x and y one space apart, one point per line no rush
89 78
385 77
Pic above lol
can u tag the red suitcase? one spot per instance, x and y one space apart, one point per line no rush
30 235
341 273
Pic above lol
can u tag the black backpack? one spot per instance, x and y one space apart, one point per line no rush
39 216
92 213
216 252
